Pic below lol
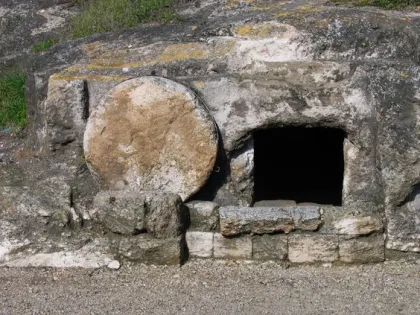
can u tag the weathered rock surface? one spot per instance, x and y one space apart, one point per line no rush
358 225
68 110
262 220
362 249
148 250
151 133
130 212
165 215
58 254
203 208
200 244
404 224
242 173
313 248
234 248
50 196
255 66
204 216
120 211
269 247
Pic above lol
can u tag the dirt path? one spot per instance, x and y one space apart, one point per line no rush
206 287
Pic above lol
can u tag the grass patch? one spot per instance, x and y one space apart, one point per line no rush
386 4
44 45
12 101
99 16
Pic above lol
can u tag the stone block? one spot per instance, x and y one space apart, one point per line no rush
165 215
236 248
204 216
129 212
313 248
121 212
263 220
269 247
200 244
203 208
362 249
146 249
358 225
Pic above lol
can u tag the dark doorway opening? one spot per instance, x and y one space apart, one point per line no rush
300 164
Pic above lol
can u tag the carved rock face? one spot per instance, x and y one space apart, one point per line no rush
151 133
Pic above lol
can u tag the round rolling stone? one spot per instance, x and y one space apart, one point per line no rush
151 134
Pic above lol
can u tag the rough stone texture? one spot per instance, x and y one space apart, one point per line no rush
255 66
358 226
68 111
269 247
313 248
51 195
165 215
239 220
234 248
78 259
25 23
120 211
151 133
242 171
204 216
200 244
203 208
148 250
59 253
362 249
404 224
275 203
129 212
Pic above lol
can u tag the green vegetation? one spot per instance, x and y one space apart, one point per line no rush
44 45
12 100
112 15
386 4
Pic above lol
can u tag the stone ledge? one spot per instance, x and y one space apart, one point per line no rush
266 220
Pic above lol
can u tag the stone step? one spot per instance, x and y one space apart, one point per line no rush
236 220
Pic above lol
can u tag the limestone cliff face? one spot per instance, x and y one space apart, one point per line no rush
239 69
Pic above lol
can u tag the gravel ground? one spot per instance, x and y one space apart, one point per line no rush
214 287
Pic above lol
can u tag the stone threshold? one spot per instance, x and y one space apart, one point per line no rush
236 220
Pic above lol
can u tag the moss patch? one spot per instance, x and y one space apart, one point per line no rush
99 16
44 45
12 101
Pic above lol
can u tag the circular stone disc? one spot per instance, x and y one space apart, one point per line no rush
152 134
